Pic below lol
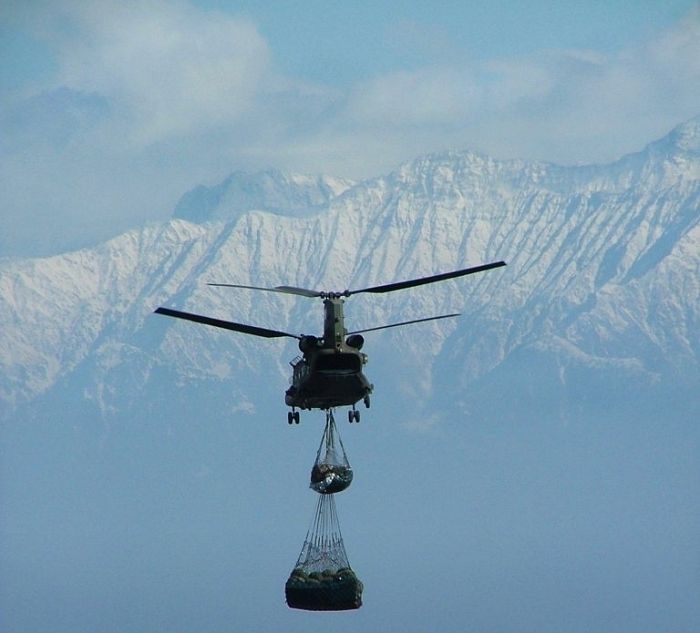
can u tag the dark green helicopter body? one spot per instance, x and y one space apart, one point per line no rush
329 372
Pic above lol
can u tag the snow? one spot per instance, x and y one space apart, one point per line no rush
603 272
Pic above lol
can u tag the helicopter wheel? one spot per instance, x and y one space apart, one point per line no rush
351 416
295 415
290 417
366 401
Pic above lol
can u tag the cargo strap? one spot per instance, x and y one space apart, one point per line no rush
323 547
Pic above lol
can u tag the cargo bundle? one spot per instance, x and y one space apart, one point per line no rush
331 471
322 579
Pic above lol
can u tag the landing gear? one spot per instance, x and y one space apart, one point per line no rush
353 415
293 417
366 401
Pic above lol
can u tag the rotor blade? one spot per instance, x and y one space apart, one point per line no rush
227 325
293 290
290 290
399 285
384 327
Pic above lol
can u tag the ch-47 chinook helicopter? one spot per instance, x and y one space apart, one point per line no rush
329 372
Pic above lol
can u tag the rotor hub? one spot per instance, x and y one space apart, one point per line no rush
334 294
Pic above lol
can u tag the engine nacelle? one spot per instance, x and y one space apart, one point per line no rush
355 340
307 343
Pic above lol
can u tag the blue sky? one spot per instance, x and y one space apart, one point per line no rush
337 42
111 110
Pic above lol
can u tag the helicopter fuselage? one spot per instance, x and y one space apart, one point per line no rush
329 374
329 378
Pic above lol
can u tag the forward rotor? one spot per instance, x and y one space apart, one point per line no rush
399 285
305 292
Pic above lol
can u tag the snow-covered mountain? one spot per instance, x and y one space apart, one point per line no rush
598 308
270 190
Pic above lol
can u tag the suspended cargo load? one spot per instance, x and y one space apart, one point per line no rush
341 591
322 579
331 471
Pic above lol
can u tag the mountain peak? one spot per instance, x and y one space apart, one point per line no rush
272 190
683 139
686 136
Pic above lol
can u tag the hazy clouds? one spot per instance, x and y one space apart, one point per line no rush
137 102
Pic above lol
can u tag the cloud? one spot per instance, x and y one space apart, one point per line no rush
56 117
167 68
561 105
145 100
141 101
427 96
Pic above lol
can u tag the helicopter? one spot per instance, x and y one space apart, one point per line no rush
328 373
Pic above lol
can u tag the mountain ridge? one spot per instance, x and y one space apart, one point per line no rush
305 194
269 190
602 279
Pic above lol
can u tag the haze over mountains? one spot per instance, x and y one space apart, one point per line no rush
597 310
541 450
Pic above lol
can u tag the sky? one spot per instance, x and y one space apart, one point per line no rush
176 519
110 111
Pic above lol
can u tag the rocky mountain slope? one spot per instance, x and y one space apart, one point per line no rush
598 307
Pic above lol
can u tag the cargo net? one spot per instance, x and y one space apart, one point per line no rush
331 471
323 549
322 579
